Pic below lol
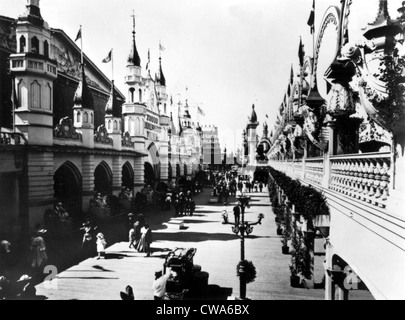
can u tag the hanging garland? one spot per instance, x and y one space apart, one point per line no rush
247 269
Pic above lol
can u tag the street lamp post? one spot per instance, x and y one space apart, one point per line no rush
243 228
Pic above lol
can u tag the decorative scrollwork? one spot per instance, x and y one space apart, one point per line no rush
101 136
126 140
66 130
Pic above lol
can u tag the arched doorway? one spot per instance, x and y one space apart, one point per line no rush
261 176
68 188
170 172
177 170
128 176
149 174
103 179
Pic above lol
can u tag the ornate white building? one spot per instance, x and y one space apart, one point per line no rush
73 134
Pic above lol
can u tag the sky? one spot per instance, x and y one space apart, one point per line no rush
230 54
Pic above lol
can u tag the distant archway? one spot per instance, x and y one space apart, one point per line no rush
149 174
103 179
68 188
178 170
127 175
170 171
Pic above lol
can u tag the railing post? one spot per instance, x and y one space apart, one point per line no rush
326 156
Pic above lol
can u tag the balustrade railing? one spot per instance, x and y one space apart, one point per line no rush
363 177
314 170
12 139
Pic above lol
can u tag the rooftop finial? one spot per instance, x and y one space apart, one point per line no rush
133 17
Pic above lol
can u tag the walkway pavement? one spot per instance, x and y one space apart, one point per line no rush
218 252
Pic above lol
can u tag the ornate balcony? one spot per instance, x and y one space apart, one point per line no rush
363 177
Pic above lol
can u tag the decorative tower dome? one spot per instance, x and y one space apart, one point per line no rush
32 14
253 117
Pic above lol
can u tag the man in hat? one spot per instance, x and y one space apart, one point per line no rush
159 285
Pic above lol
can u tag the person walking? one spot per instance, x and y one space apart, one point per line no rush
101 245
39 257
261 187
146 240
236 213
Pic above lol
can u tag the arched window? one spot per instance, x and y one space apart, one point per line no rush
79 117
46 49
137 126
23 44
109 125
86 118
48 97
165 107
131 127
126 125
131 95
35 95
35 45
92 118
140 95
115 125
22 94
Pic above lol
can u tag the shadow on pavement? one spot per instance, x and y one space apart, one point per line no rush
194 236
218 293
199 221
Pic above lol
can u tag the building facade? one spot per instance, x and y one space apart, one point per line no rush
340 130
67 133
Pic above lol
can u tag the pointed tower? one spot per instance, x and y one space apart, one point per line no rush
252 136
35 73
83 111
162 99
113 116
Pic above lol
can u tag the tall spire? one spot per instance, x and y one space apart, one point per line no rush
83 97
134 58
161 79
112 107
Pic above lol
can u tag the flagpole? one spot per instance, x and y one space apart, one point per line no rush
14 104
81 43
112 64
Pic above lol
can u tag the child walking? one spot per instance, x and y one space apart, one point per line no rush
101 245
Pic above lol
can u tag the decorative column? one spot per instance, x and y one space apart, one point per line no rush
87 180
139 174
40 186
117 175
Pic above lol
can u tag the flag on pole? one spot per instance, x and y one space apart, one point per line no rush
108 58
79 34
161 48
301 53
171 100
201 112
147 65
311 20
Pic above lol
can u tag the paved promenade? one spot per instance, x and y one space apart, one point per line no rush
218 252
